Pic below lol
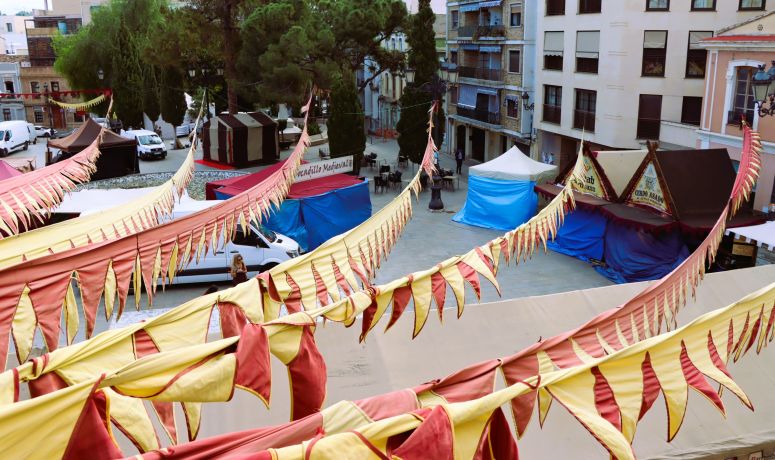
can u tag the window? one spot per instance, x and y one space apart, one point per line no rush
515 15
696 57
587 51
38 111
552 103
553 45
703 5
691 111
455 19
649 116
746 5
6 114
9 87
54 86
512 106
9 27
654 53
34 87
555 7
514 61
251 239
657 5
742 102
589 6
584 115
453 57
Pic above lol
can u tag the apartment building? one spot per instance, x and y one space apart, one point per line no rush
11 105
12 34
37 72
492 45
620 72
734 57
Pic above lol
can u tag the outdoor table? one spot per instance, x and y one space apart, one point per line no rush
449 180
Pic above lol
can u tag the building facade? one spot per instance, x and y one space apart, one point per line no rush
12 34
640 61
11 108
492 45
37 72
734 56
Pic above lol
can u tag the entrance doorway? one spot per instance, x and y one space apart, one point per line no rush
477 144
460 139
58 117
568 152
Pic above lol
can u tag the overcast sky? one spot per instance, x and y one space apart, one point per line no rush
12 6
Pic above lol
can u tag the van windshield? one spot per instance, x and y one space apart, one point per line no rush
268 235
149 139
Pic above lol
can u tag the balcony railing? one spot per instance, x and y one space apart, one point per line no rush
482 73
584 120
42 31
484 115
552 113
477 31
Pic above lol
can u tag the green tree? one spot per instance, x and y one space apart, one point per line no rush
417 97
345 126
128 91
151 105
173 101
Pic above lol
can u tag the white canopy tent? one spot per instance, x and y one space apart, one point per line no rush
514 165
763 235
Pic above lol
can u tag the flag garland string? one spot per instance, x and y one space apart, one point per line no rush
79 105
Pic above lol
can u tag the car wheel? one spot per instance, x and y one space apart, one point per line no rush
35 141
269 266
3 153
26 146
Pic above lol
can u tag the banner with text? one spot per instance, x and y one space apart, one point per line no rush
318 169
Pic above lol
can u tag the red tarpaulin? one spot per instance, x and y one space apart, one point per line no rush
236 185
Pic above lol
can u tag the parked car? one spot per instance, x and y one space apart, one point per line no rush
149 144
261 249
290 135
183 130
58 134
14 135
42 131
31 131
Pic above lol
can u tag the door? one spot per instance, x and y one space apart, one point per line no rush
649 116
460 139
210 268
568 152
59 118
482 102
477 144
251 247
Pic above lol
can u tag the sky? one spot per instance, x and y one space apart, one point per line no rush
12 6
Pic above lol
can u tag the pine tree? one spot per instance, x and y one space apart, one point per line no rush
416 101
128 88
345 126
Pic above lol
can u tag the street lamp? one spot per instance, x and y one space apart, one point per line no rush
763 84
206 79
100 74
525 99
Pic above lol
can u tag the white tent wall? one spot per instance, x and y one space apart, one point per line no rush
392 361
514 165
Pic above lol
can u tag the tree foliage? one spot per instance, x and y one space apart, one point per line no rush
417 98
173 101
345 126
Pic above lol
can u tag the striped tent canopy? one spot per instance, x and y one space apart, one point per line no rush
241 139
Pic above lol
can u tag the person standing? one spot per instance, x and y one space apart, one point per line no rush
459 156
239 272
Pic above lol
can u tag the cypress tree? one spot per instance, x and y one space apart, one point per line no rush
345 126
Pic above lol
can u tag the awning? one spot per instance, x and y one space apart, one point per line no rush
763 235
553 43
490 49
470 47
469 7
512 97
467 96
588 44
488 91
490 4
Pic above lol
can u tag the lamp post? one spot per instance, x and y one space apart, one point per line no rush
47 96
437 86
763 84
525 99
206 79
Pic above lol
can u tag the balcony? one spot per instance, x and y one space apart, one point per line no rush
42 32
475 32
481 73
494 118
584 120
552 113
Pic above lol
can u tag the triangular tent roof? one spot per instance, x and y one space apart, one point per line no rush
514 165
619 166
7 170
85 135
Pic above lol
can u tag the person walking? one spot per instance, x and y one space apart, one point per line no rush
239 272
459 156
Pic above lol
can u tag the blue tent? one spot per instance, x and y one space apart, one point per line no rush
318 210
500 192
581 235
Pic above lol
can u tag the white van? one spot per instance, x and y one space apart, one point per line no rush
261 249
14 135
149 144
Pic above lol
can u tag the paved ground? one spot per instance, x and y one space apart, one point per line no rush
430 237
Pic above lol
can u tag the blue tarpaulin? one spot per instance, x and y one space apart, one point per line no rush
581 235
312 220
635 255
498 204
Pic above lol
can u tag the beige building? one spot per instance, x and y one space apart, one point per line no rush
618 73
734 57
491 44
12 36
